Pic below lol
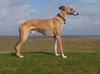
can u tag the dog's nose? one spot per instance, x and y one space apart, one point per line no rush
77 13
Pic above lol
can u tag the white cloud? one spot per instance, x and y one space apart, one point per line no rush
11 13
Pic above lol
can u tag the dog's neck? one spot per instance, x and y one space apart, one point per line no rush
62 16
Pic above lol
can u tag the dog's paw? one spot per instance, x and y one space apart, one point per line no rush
19 55
57 54
64 56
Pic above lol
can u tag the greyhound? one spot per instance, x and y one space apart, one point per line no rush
49 27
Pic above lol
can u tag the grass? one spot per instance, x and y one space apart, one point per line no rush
83 57
44 63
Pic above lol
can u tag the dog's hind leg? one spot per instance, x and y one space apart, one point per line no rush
23 36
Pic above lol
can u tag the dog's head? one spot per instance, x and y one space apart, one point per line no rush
68 10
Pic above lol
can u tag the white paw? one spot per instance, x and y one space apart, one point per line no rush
57 54
20 56
64 56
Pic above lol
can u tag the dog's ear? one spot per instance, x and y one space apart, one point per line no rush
61 7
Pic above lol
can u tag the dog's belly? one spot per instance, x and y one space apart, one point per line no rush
49 33
46 32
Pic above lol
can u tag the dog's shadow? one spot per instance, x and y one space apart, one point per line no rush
46 53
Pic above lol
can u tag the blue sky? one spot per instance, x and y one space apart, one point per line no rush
15 12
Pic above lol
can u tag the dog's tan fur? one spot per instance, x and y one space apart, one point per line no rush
48 27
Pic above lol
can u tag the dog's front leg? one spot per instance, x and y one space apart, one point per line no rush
61 46
56 47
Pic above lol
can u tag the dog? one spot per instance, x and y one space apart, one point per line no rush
49 27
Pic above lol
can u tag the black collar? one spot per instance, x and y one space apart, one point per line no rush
62 18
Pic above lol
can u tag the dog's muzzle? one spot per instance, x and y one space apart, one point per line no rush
74 13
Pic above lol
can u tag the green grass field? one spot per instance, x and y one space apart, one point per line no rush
83 57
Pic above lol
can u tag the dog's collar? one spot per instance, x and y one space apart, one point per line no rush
62 18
